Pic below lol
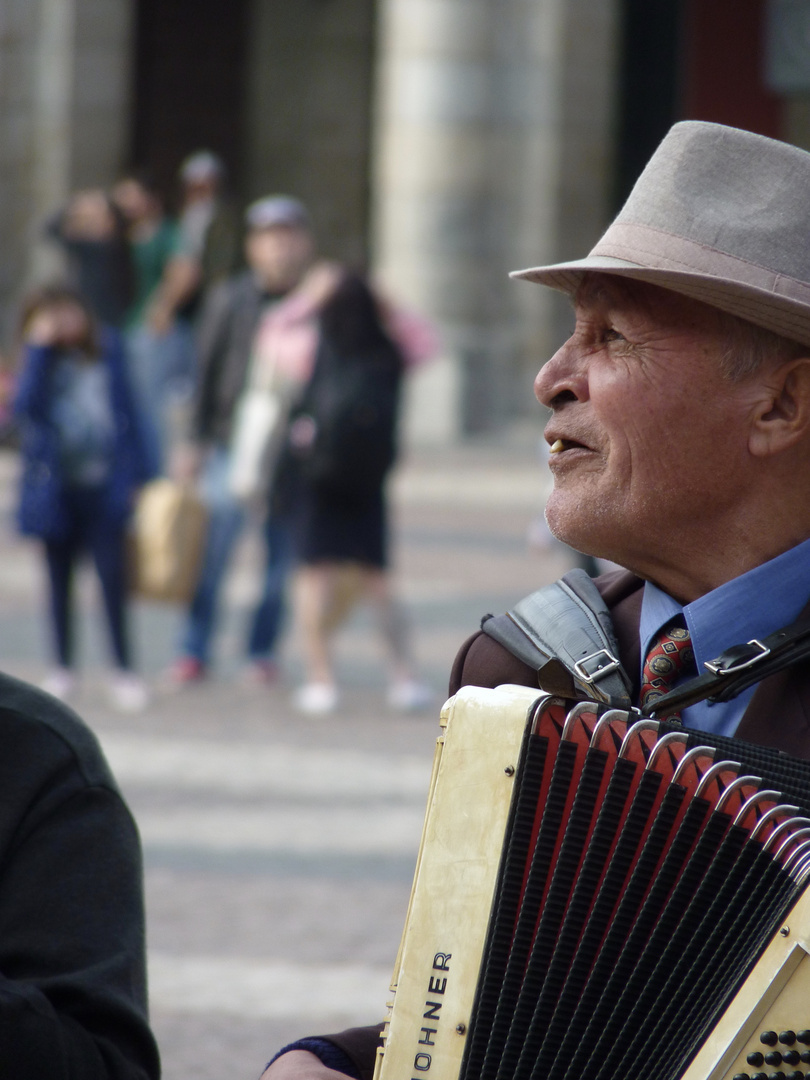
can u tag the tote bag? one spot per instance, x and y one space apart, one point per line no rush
167 539
260 414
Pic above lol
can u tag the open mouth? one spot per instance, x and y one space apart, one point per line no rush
559 445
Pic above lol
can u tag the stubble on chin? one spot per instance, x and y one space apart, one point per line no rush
585 524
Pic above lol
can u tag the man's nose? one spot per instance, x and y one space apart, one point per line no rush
560 379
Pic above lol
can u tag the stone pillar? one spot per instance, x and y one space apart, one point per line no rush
18 36
51 127
64 121
568 82
492 153
433 197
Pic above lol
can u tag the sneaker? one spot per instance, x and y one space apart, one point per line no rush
60 683
128 692
410 696
185 670
316 698
260 672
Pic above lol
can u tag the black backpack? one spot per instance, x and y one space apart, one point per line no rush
353 401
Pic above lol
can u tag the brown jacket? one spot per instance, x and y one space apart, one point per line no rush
778 715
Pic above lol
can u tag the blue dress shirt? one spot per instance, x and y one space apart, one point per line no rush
753 605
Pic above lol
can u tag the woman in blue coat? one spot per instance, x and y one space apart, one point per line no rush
83 459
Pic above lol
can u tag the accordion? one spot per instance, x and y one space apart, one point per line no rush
602 896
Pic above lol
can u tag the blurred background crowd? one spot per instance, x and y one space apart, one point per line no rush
219 355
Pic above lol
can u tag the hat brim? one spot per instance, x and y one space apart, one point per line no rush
780 314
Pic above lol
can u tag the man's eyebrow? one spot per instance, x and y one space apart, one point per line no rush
596 292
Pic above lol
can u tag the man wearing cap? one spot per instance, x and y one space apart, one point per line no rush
209 225
260 321
680 442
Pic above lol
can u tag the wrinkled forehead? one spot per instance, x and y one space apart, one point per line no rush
606 293
611 290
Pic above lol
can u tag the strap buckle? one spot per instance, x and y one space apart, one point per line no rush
729 664
597 670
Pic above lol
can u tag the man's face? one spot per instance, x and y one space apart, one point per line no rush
649 438
278 256
200 189
134 201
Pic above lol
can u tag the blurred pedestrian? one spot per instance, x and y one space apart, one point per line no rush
209 224
160 340
341 445
92 231
257 333
83 460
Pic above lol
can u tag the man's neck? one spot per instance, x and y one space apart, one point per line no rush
704 570
689 561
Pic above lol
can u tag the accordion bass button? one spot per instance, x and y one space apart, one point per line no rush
769 1038
773 1057
804 1036
791 1057
787 1038
755 1058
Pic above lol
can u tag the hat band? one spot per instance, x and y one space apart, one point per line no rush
656 249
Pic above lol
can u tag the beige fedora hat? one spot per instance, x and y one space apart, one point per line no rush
720 215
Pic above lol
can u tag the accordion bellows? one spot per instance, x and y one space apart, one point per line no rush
605 897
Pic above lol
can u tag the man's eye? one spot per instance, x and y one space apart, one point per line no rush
612 334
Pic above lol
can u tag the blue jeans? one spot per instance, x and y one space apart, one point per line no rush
227 518
162 372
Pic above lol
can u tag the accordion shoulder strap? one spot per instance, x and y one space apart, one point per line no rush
740 667
565 633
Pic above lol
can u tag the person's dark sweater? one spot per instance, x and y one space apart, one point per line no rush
72 966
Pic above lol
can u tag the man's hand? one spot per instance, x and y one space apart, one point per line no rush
300 1065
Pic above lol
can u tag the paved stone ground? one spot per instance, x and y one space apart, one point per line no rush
279 850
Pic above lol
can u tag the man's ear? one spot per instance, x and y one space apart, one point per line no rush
782 417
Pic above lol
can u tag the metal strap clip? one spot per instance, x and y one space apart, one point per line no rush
605 663
728 664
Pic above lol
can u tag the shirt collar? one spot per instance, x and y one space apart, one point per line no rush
752 605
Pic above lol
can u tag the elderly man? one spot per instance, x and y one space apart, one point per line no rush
680 439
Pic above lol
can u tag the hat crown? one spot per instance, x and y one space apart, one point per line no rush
719 215
731 190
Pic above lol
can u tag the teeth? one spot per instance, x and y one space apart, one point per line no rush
557 446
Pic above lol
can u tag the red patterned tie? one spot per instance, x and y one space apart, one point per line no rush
670 655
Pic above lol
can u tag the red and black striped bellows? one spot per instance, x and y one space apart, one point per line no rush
644 871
